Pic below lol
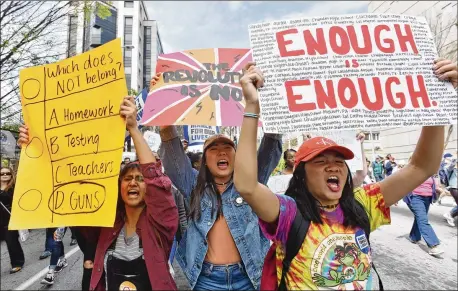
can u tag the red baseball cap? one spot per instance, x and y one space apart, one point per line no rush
315 146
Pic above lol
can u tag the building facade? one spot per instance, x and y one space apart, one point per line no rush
442 17
141 43
85 33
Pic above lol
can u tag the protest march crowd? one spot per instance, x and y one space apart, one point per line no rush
213 212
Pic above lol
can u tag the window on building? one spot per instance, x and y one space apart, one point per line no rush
96 36
127 57
72 35
128 21
128 81
129 4
375 136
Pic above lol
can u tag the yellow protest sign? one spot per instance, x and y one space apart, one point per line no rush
68 173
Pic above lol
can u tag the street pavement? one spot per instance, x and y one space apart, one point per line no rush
401 264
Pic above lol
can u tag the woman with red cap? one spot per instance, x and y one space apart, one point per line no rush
335 252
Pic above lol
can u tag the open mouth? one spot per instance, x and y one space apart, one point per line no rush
222 164
333 183
133 193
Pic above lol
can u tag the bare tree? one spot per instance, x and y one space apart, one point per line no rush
33 33
444 31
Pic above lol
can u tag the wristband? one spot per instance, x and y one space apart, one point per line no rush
251 115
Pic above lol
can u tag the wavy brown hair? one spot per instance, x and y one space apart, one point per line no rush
12 182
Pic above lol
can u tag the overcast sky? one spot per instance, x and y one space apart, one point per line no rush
208 24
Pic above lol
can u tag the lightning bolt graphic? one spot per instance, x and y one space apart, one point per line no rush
199 106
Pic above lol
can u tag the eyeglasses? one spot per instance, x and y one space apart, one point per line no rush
138 179
5 174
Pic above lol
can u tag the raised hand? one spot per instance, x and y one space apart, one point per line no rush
154 80
23 136
446 70
129 112
252 80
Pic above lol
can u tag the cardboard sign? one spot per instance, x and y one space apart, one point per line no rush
198 87
8 144
197 134
68 173
279 184
153 139
348 72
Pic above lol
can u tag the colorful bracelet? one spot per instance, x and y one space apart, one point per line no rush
252 115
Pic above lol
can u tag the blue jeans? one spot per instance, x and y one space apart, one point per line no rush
49 239
57 249
223 277
172 251
419 206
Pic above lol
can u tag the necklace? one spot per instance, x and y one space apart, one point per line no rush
223 184
332 207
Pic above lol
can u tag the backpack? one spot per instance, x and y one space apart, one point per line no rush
296 237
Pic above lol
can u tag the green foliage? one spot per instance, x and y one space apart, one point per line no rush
13 127
132 92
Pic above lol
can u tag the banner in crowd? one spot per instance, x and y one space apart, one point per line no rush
153 139
198 87
8 144
279 184
350 71
140 103
68 173
197 134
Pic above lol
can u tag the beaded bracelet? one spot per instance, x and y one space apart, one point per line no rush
252 115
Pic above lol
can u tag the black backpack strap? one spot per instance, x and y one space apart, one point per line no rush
296 237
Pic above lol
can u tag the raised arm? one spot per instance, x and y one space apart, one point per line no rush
428 153
360 175
264 203
160 206
176 163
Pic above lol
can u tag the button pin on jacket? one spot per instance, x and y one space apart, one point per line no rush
239 200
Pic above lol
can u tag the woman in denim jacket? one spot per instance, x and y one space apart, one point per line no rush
223 247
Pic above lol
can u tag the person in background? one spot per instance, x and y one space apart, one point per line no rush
369 179
288 157
335 253
133 253
377 167
419 201
87 238
48 246
185 144
7 183
57 260
451 172
360 175
389 165
196 159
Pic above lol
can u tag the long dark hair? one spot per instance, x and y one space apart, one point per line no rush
120 208
204 180
354 213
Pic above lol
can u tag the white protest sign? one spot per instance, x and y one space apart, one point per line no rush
153 139
279 184
197 134
349 72
346 139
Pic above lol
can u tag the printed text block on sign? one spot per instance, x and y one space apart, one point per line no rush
68 173
349 72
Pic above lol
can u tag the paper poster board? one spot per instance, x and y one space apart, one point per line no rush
348 72
198 87
68 173
197 134
8 144
279 184
153 139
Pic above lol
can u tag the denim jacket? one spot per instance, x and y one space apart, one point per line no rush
242 221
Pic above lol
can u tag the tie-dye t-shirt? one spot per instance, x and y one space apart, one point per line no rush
332 256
